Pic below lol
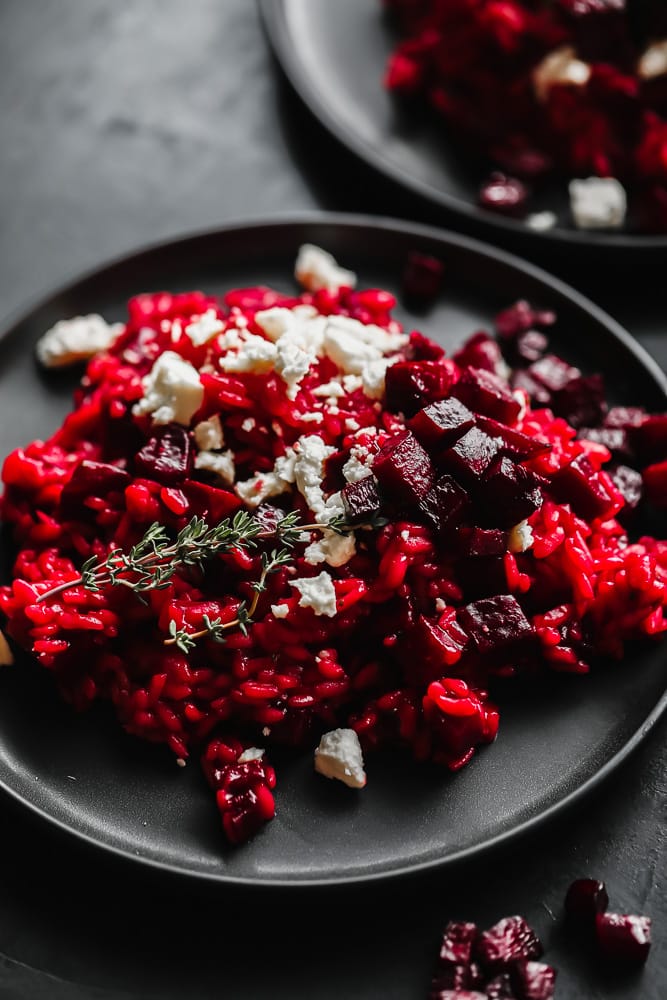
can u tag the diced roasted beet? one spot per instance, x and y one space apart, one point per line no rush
521 317
428 650
581 401
457 943
481 351
552 372
497 625
650 439
500 193
422 277
510 493
629 484
167 456
584 899
457 995
441 424
613 438
90 479
533 980
334 479
361 500
422 348
625 416
508 941
471 456
484 392
522 379
455 977
445 505
483 542
413 384
500 988
529 346
404 469
590 493
623 937
515 444
654 478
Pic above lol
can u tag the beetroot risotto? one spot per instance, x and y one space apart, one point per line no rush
282 519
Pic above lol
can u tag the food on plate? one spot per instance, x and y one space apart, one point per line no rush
283 519
571 90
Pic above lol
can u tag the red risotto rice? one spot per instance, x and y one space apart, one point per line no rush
397 530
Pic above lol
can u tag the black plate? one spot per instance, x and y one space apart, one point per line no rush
334 53
87 776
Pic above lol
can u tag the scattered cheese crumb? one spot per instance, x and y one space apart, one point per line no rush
280 610
292 362
248 424
204 328
315 269
332 390
332 548
318 593
209 435
314 417
521 537
255 355
181 763
339 756
6 656
73 340
440 605
251 753
653 61
255 490
358 464
560 67
172 391
598 203
541 221
221 463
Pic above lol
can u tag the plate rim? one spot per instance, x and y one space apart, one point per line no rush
275 22
291 220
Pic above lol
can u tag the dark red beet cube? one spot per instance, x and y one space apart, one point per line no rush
508 941
404 469
515 444
483 542
361 500
500 988
553 373
441 424
590 493
533 980
484 392
629 484
623 937
613 438
500 193
413 384
521 317
497 625
471 456
458 941
581 401
625 416
510 493
91 479
522 379
585 898
457 995
530 346
445 505
167 457
654 478
422 348
480 351
650 439
422 277
454 977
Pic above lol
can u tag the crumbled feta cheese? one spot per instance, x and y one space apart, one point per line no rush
292 362
259 487
351 424
560 67
73 340
172 391
521 537
205 328
332 390
314 417
230 340
373 376
209 435
311 455
351 344
318 593
358 464
250 753
653 61
352 382
248 424
6 656
280 610
315 269
219 462
339 756
332 548
274 322
440 605
598 203
255 355
541 221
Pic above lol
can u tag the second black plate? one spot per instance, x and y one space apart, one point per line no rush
85 775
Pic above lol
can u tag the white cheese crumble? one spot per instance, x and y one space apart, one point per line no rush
280 610
205 328
351 345
6 657
339 756
597 203
358 464
331 548
332 390
318 593
314 417
262 485
248 424
653 61
219 462
560 67
255 355
292 362
251 753
373 377
70 341
521 537
311 455
172 391
315 269
209 435
541 221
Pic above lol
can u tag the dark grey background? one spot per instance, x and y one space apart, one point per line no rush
126 122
